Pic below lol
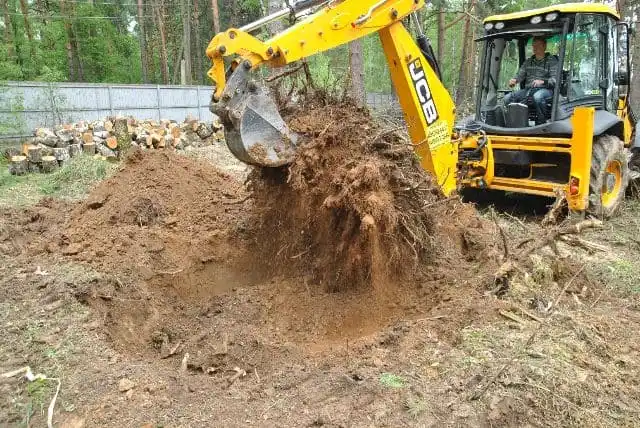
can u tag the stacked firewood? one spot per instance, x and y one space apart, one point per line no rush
109 138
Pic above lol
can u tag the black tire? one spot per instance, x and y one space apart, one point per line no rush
609 176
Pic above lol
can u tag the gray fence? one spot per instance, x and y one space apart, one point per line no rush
25 106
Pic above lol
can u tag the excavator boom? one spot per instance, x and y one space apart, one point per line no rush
256 133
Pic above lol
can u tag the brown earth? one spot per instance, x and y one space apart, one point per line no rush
223 308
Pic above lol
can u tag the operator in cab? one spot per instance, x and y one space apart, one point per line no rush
538 74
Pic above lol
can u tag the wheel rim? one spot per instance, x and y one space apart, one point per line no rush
611 183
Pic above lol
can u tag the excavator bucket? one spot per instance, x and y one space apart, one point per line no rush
254 130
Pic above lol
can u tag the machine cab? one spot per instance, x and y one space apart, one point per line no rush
581 66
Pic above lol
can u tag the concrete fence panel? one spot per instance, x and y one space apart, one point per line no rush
25 106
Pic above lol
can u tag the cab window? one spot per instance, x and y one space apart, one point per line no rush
586 53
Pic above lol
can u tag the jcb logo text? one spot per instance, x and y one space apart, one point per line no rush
422 90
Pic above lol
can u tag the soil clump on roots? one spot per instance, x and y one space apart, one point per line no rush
354 208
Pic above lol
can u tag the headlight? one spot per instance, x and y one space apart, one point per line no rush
536 19
551 16
488 26
499 25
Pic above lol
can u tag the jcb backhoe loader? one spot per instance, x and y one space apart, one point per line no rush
574 136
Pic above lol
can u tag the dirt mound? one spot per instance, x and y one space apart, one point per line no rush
353 208
162 216
184 241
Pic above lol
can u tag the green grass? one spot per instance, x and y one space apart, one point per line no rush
70 182
391 380
620 275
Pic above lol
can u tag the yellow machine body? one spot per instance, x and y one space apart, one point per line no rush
428 108
481 174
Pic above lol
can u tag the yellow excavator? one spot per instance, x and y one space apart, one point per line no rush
576 137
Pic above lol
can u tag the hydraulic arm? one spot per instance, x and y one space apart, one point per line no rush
256 133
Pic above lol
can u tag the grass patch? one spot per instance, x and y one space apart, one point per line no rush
619 275
71 182
391 380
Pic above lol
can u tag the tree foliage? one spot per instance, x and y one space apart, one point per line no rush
99 40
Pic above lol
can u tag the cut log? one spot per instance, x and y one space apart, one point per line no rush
49 164
50 141
34 167
204 131
46 150
61 154
149 141
65 135
122 134
19 165
89 148
11 151
112 143
155 140
97 127
179 143
74 150
108 125
87 137
106 152
34 153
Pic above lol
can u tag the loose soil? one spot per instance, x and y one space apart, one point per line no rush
343 291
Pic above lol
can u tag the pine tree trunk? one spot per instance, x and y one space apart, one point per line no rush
8 29
76 53
152 42
441 37
199 51
164 66
462 89
27 27
68 44
176 64
356 68
186 37
143 43
216 16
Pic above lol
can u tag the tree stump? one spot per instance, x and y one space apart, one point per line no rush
19 165
49 164
89 148
61 154
34 153
74 150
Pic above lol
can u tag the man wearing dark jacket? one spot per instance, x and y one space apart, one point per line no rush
538 74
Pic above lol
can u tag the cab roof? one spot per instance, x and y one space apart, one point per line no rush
561 8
